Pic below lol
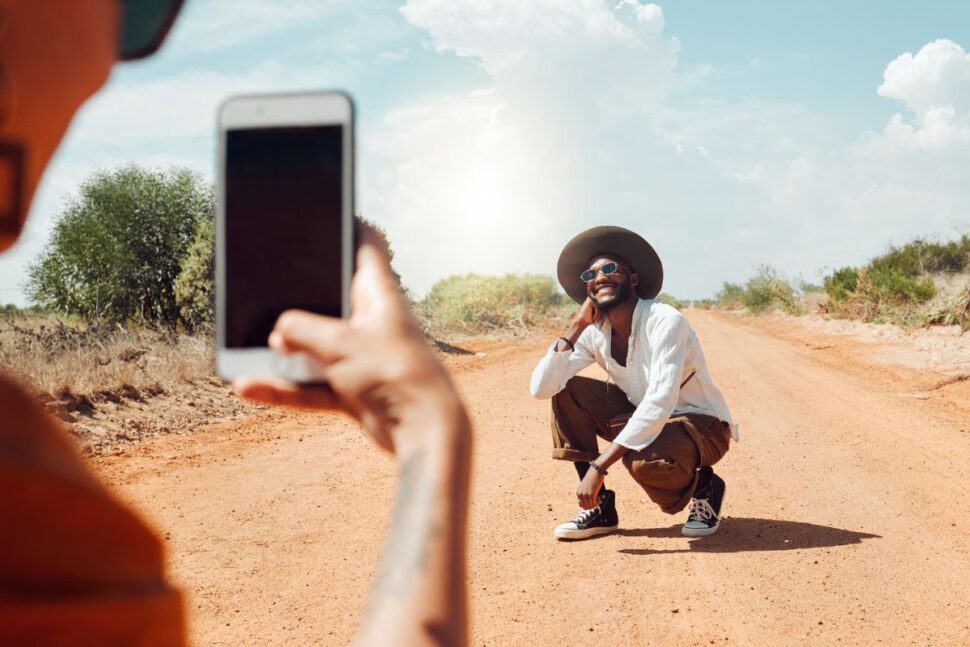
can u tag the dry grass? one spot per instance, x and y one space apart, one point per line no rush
54 356
115 386
951 305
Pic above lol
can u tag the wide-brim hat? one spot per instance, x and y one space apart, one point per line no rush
611 241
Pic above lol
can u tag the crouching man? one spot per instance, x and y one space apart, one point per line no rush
662 414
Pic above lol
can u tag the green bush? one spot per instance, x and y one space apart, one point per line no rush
841 283
194 287
729 296
116 250
892 285
766 290
473 303
921 257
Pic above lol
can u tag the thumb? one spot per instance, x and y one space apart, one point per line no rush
375 288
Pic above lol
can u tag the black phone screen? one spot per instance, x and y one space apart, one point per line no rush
283 227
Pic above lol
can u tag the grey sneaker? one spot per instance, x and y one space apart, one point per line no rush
601 520
704 516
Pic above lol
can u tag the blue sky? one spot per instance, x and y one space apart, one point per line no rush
804 136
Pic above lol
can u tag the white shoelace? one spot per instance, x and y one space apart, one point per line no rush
701 510
584 516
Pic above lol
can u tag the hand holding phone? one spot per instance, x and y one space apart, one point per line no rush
378 364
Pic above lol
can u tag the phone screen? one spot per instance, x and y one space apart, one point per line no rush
283 227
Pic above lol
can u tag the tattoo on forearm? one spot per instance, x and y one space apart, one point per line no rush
413 529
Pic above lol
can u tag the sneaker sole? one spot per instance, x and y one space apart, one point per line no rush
585 534
705 532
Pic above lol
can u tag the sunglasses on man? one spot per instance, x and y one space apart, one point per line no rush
606 270
144 25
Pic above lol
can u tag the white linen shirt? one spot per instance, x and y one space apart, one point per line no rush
662 352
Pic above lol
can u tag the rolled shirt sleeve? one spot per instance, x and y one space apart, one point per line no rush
668 343
557 368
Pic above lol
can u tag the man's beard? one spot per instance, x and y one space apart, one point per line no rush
621 295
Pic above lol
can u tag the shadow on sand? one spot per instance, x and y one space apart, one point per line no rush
740 534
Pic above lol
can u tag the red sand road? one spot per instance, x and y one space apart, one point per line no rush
848 519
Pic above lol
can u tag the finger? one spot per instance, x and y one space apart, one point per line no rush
278 392
372 253
326 338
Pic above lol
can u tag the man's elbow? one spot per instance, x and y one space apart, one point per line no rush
537 391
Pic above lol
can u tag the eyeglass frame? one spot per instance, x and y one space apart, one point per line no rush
161 32
601 270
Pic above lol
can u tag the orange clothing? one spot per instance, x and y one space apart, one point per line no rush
77 567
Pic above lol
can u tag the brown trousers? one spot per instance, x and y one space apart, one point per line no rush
666 469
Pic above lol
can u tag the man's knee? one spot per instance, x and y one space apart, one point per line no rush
659 471
668 462
572 398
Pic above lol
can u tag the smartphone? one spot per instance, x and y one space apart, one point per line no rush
284 224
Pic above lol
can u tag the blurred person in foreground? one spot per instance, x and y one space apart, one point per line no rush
664 417
78 567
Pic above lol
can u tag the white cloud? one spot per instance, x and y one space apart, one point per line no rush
498 180
934 86
937 76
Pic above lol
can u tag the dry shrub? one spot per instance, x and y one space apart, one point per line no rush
951 307
72 362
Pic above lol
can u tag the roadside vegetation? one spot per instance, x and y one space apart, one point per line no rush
920 283
472 304
119 249
73 361
123 298
766 290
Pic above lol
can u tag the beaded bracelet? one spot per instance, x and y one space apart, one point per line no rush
601 470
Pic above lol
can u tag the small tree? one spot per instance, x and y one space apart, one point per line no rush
117 248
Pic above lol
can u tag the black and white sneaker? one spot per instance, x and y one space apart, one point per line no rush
601 520
705 508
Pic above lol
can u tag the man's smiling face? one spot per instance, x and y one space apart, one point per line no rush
610 290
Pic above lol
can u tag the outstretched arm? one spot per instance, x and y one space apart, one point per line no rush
380 370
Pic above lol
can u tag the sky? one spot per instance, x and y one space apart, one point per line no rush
806 136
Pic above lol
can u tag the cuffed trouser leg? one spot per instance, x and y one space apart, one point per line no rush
667 468
580 413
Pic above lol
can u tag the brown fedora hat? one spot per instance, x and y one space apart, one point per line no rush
609 240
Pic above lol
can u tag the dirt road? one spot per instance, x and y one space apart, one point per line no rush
848 518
